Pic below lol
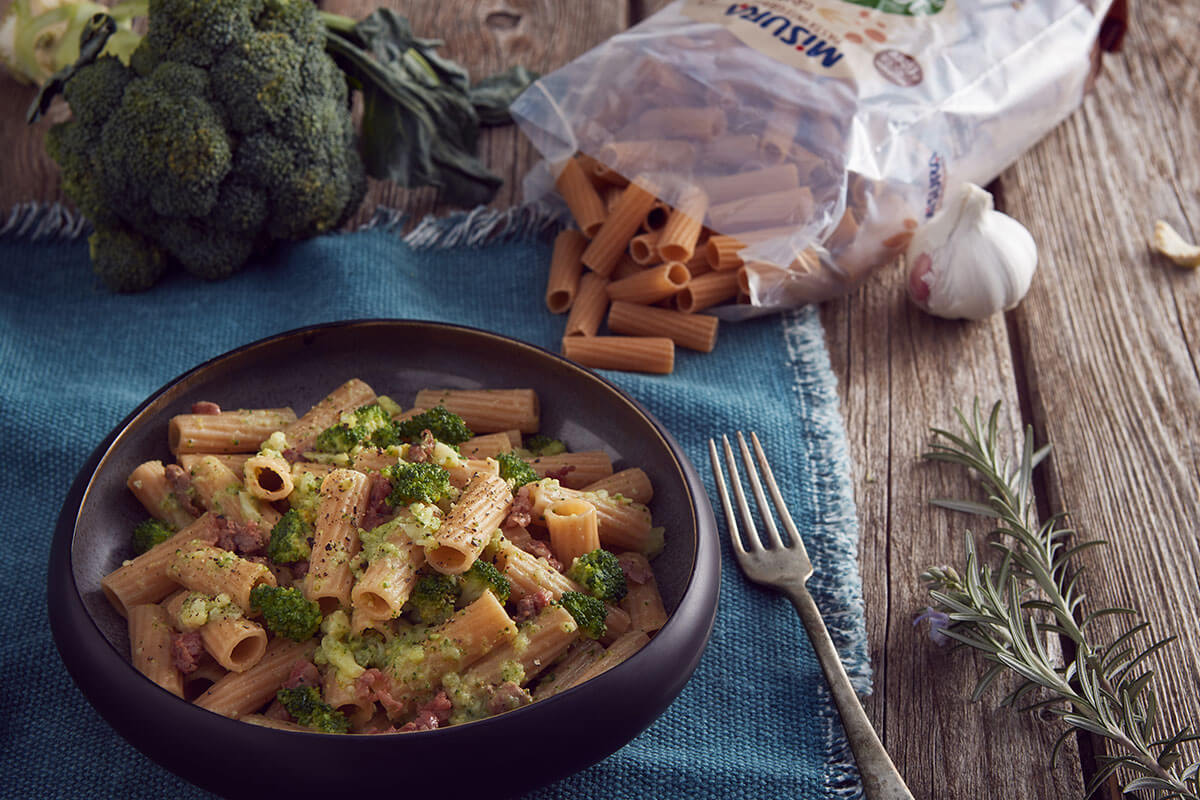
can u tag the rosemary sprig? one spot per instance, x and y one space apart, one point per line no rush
1004 612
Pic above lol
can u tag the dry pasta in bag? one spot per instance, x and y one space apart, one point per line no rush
783 151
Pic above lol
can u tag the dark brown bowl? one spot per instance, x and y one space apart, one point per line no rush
494 756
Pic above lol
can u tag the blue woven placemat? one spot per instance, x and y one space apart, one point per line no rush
756 720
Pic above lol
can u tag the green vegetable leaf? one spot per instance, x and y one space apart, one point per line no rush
421 117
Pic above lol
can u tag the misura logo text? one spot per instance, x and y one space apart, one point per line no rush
788 32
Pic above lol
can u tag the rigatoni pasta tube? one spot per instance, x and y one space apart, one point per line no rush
487 410
227 432
460 476
211 570
235 461
388 579
150 486
562 282
632 484
267 477
488 445
682 231
571 524
145 578
581 467
150 634
703 123
643 248
581 197
344 496
707 290
693 331
350 395
748 184
527 573
240 693
579 658
650 285
756 211
623 525
642 600
542 640
630 353
220 490
610 241
591 301
469 525
724 252
236 643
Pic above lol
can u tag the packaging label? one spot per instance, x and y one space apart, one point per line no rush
863 40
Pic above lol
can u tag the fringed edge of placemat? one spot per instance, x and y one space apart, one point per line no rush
836 584
36 221
475 228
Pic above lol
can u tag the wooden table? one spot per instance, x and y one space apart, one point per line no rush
1101 359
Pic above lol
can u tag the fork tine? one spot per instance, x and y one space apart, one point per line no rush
756 486
752 540
776 496
735 536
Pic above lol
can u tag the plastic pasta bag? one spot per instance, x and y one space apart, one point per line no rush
810 136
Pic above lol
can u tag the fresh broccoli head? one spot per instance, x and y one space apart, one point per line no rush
369 424
541 445
229 130
600 573
432 599
482 577
425 482
290 539
305 705
150 532
588 612
444 425
287 611
515 470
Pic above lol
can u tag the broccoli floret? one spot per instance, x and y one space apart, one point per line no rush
150 532
306 496
515 470
287 611
339 438
445 426
481 577
541 445
290 539
305 705
432 599
425 482
600 573
124 260
369 424
230 130
588 612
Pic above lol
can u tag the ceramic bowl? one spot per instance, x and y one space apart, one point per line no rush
500 756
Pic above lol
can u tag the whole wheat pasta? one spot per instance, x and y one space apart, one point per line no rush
527 573
236 643
616 623
199 680
344 497
565 269
610 193
372 460
788 206
643 248
591 303
220 490
750 183
642 600
487 410
267 477
388 579
778 137
623 524
656 217
227 432
211 570
580 656
149 484
469 525
650 285
240 693
145 578
582 467
698 263
235 461
632 483
543 639
150 635
708 290
693 331
629 353
625 267
571 524
355 705
732 149
724 252
617 652
489 444
581 197
611 240
703 123
682 231
630 155
350 395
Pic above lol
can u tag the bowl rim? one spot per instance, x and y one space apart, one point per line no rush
66 526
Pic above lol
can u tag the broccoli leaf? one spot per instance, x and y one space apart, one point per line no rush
91 43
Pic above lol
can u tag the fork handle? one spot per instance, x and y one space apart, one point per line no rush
881 780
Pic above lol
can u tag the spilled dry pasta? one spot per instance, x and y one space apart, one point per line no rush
365 568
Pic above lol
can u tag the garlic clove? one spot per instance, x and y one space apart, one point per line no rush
969 260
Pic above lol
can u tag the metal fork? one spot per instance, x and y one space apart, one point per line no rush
786 567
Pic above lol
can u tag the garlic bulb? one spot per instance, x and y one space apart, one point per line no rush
970 260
